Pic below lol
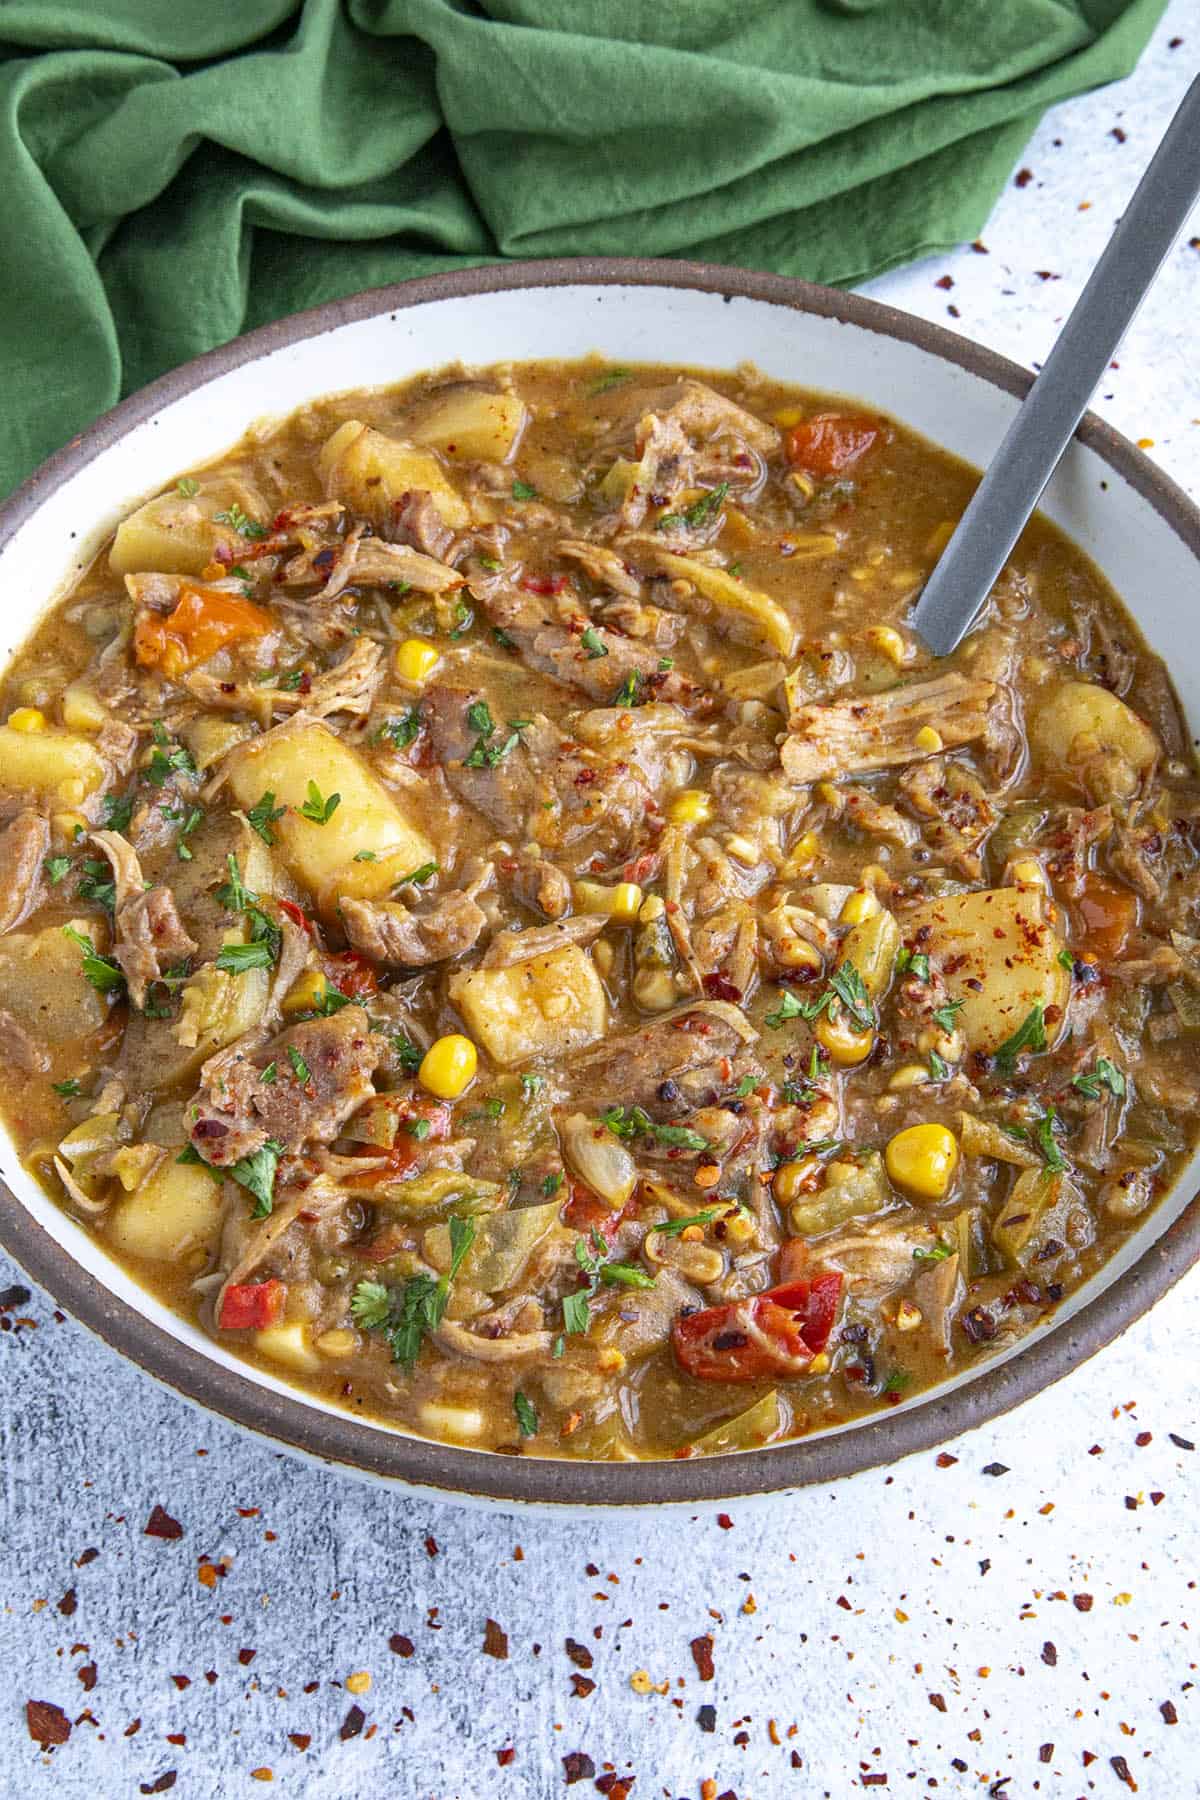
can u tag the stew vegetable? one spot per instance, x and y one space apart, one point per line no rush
505 923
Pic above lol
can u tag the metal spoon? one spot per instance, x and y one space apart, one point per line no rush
1010 489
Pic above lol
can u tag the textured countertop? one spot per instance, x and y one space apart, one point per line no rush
1011 1617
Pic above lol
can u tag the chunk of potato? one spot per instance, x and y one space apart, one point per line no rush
372 471
471 424
998 954
322 856
1085 730
289 1344
82 708
870 947
748 615
176 1209
41 977
547 1006
210 737
173 533
60 764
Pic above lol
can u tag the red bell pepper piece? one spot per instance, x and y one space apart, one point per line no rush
296 914
773 1334
829 443
353 975
249 1305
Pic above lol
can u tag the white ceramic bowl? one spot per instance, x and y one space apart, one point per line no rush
1138 527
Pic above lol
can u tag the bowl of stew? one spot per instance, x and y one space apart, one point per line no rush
519 973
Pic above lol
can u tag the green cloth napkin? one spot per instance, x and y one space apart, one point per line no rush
177 171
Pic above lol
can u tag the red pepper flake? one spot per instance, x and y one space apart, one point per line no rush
160 1524
1117 133
996 1468
1045 1752
506 1756
578 1766
68 1603
874 1780
1143 1438
48 1724
616 1787
86 1556
724 1521
301 1739
162 1784
702 1656
1049 1655
1170 1716
431 1546
945 281
246 1657
248 1512
938 1702
582 1685
1081 1602
1180 1443
719 987
1120 1769
844 1603
178 1738
132 1729
87 1676
352 1724
1087 1758
1022 178
579 1654
944 1460
400 1645
495 1640
182 1681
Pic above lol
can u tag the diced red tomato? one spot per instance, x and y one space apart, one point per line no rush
406 1148
830 443
296 914
544 584
250 1305
586 1212
1107 915
352 975
773 1334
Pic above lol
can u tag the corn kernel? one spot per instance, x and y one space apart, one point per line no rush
621 902
416 659
28 718
795 952
83 709
743 851
928 740
603 956
691 807
787 417
910 1076
861 904
803 855
805 483
652 907
819 1364
908 1316
359 1682
795 1178
1027 872
887 640
611 1361
922 1159
69 825
448 1066
843 1042
940 537
306 994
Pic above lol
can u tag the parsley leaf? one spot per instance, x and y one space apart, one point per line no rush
939 1069
944 1015
673 1227
188 486
698 513
527 1419
592 643
552 1183
850 989
1104 1075
1044 1133
410 1055
69 1089
257 1175
247 528
403 731
912 962
935 1254
633 1122
426 872
235 959
630 691
317 809
521 490
789 1008
617 1274
1029 1035
610 379
370 1305
576 1311
418 1128
56 867
531 1085
117 813
261 817
300 1068
104 976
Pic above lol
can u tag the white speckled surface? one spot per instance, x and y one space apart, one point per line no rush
939 1628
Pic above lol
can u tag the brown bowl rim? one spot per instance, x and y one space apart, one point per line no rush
344 1442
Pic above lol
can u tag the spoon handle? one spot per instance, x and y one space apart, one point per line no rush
1011 487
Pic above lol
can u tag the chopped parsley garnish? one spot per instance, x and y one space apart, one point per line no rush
317 809
482 754
576 1312
935 1254
56 867
531 1085
479 718
521 490
403 731
552 1183
593 644
630 691
365 856
939 1068
117 813
426 872
628 1122
418 1128
527 1419
257 1175
789 1008
410 1055
944 1015
1052 1156
103 975
404 1315
592 1258
1066 960
896 1382
618 1274
269 1074
673 1227
1104 1075
912 962
168 758
848 985
68 1089
192 818
245 527
795 1093
464 618
300 1068
235 959
262 816
698 513
233 895
1029 1035
610 379
745 1086
188 486
491 563
97 883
